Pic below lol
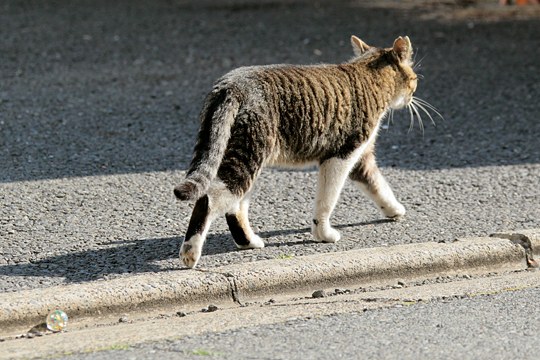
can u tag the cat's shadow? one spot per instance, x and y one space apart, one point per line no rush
273 233
143 256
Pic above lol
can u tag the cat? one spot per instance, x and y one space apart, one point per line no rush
326 114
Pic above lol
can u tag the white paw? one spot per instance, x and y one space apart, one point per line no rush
325 234
395 211
254 243
190 252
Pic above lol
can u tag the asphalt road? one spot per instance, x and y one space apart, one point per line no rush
500 325
485 327
98 113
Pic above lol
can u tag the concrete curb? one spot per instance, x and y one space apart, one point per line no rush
241 282
528 239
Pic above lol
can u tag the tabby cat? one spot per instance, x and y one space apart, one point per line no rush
295 115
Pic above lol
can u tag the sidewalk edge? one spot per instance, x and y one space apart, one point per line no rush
241 282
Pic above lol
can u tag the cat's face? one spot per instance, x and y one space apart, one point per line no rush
406 87
399 59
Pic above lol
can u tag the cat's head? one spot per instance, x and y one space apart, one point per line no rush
398 59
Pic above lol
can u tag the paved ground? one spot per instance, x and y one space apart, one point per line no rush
481 327
98 112
491 316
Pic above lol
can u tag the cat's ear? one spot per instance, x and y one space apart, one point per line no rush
359 47
403 48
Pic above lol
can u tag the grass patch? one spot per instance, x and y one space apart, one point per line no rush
408 302
118 347
204 352
499 291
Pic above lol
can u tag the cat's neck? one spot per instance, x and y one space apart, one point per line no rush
375 85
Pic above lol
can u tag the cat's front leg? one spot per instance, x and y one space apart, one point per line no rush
332 176
323 232
367 176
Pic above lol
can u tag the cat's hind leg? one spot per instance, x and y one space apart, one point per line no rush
218 201
369 179
332 175
248 147
238 222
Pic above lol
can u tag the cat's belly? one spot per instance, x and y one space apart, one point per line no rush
294 165
282 159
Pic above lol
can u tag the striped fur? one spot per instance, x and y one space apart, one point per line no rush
217 117
296 115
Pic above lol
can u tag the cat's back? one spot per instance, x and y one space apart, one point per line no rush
288 89
283 76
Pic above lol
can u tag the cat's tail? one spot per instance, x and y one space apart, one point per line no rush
217 117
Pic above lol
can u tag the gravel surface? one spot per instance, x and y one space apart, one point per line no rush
98 113
481 327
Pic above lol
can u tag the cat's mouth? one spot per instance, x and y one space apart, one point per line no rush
401 102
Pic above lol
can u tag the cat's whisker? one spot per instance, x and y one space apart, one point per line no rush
423 104
421 107
418 64
418 116
411 123
422 101
414 57
391 117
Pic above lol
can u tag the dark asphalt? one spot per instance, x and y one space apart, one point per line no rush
98 113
